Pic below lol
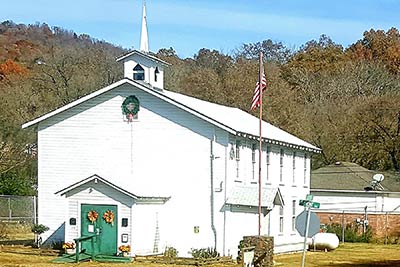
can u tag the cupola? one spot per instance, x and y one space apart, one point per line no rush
141 65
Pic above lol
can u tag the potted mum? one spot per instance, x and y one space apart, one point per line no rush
125 249
69 247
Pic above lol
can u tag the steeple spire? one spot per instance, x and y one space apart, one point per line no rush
144 37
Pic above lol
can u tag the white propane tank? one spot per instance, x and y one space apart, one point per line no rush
325 241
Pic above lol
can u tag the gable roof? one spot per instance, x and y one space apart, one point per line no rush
230 119
143 54
347 176
242 122
97 179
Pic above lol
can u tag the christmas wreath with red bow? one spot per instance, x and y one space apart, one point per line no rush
130 107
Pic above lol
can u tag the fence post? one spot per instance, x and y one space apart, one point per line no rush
386 228
343 226
18 208
9 209
34 210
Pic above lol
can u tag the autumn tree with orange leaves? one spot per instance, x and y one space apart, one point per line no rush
9 67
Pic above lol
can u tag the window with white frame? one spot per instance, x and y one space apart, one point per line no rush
138 73
237 150
280 219
253 153
237 156
253 160
305 169
294 167
294 215
281 165
268 160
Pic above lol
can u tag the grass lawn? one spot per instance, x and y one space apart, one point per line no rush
349 254
15 231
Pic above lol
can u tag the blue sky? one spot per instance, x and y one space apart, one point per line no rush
188 26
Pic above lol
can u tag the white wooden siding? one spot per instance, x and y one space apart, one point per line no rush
248 223
92 138
149 67
97 194
356 202
166 152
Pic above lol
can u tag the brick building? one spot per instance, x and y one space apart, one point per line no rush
348 193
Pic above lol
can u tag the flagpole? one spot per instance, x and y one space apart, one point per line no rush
260 146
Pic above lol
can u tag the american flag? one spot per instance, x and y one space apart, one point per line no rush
255 103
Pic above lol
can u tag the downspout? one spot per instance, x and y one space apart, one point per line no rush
226 176
212 191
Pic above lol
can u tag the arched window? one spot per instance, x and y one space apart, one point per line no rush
138 73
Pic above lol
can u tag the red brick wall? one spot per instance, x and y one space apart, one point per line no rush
384 225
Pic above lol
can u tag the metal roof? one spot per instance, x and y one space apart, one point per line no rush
230 119
350 177
246 198
97 179
242 122
147 55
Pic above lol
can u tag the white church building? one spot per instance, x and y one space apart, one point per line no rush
134 163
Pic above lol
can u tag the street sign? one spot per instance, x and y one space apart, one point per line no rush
301 221
307 203
315 205
307 222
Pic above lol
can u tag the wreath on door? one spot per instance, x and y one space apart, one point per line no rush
92 216
108 216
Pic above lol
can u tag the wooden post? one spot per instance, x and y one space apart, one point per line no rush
77 251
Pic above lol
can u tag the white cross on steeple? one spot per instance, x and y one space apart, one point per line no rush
144 37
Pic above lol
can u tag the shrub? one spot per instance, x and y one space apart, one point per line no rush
352 232
56 245
39 229
170 252
240 246
204 253
3 231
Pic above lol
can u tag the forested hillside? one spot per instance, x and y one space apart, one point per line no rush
343 100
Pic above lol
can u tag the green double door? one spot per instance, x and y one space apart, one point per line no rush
105 242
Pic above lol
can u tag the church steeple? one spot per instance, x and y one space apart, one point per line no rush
144 37
142 66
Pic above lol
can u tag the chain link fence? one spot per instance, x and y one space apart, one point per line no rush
18 209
